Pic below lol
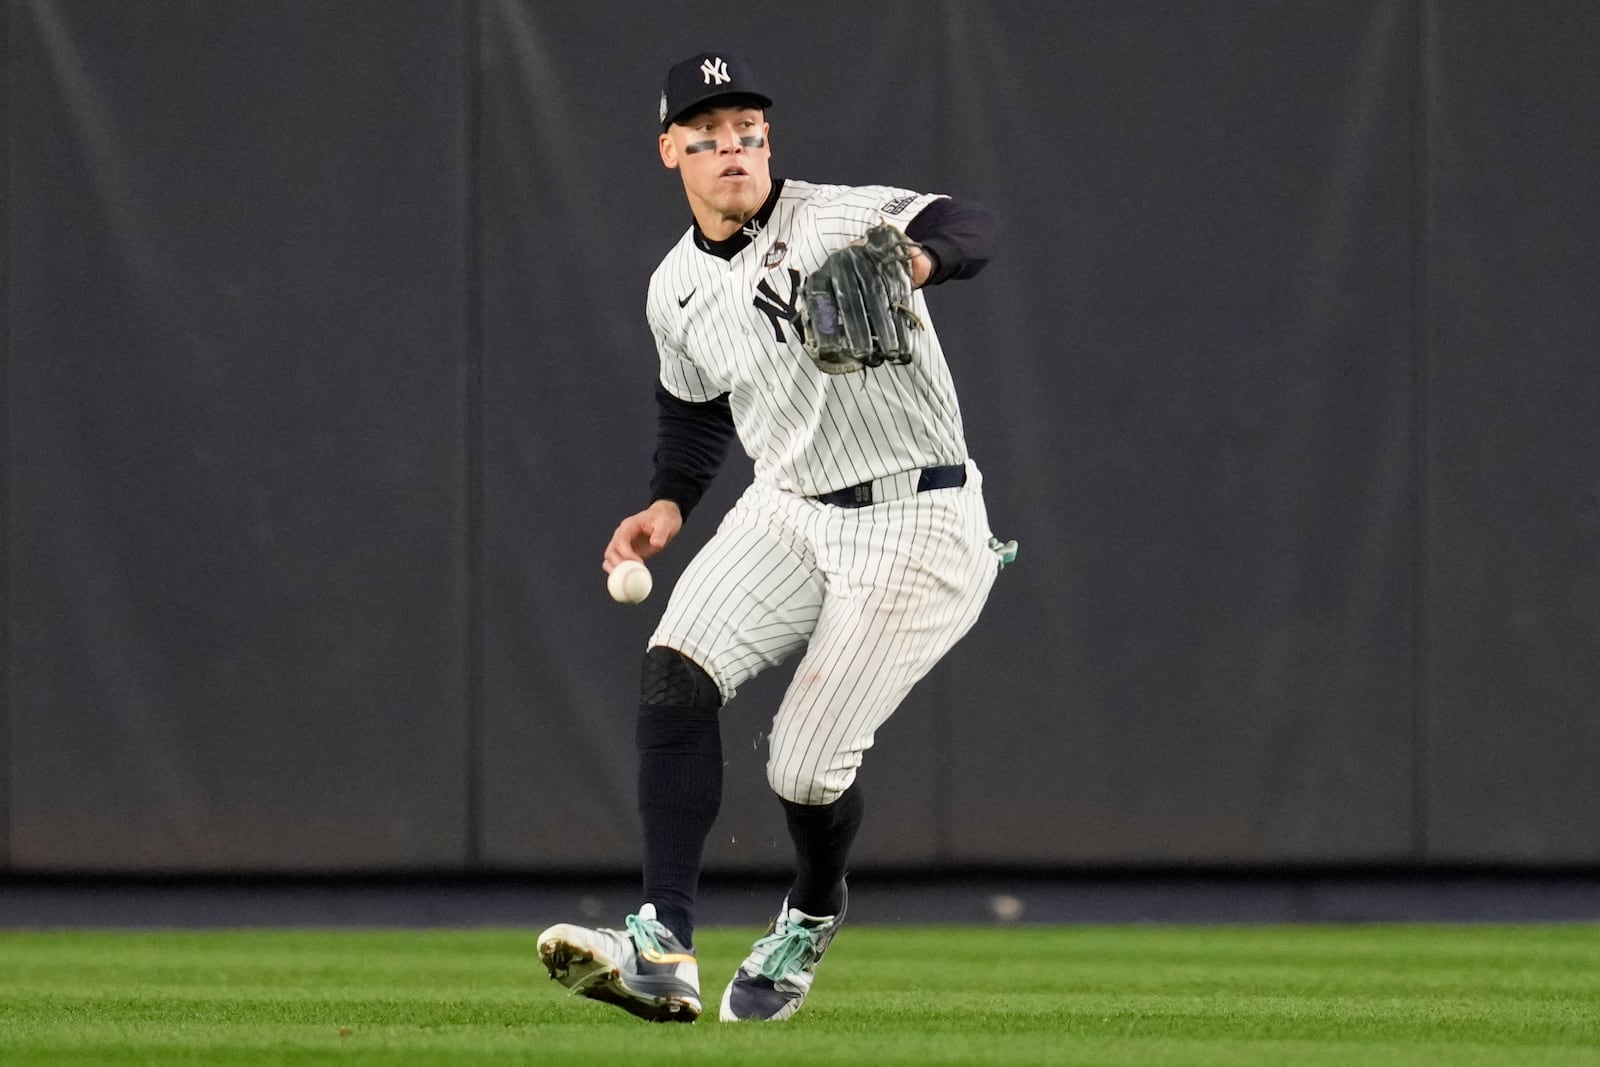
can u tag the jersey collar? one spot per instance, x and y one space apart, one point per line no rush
734 245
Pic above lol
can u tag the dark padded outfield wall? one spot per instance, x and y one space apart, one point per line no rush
1204 653
327 377
235 481
1512 711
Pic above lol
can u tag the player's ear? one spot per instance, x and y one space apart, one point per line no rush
669 152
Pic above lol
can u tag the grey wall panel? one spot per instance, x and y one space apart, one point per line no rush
1512 711
1198 417
236 480
565 439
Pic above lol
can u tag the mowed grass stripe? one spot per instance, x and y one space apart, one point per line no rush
1148 995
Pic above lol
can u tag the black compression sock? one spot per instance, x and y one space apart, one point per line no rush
823 834
680 792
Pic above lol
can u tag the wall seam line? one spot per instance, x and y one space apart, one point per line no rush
1419 329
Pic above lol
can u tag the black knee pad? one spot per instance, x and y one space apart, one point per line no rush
672 680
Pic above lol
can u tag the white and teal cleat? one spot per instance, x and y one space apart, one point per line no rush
772 982
641 969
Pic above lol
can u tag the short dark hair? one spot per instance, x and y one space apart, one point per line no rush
740 100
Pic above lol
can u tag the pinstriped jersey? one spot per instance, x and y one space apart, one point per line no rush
727 326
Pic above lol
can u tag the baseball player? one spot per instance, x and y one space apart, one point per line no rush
862 545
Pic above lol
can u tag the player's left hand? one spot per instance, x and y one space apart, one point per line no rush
643 534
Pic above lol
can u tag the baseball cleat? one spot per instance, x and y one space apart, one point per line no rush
772 982
642 969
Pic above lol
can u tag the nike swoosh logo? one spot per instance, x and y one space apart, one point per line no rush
685 301
665 957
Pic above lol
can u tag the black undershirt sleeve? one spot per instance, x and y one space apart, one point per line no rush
691 443
958 234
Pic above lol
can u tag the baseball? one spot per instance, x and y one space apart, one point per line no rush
629 582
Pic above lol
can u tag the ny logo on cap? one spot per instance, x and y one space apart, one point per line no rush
715 70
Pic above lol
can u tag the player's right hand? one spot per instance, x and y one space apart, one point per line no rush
642 535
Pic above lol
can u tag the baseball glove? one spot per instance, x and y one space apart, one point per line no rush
855 309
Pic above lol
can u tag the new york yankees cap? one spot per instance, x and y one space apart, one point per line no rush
704 77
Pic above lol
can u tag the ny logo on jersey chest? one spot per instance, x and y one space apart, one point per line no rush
780 310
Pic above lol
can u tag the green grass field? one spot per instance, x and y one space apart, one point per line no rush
1015 995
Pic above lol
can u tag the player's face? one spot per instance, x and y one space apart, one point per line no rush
723 157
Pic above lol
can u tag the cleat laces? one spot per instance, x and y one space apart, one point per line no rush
788 951
644 933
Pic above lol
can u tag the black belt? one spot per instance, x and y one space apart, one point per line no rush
859 496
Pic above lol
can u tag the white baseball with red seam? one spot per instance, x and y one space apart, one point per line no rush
629 582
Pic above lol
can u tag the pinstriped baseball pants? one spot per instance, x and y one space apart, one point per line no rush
874 596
